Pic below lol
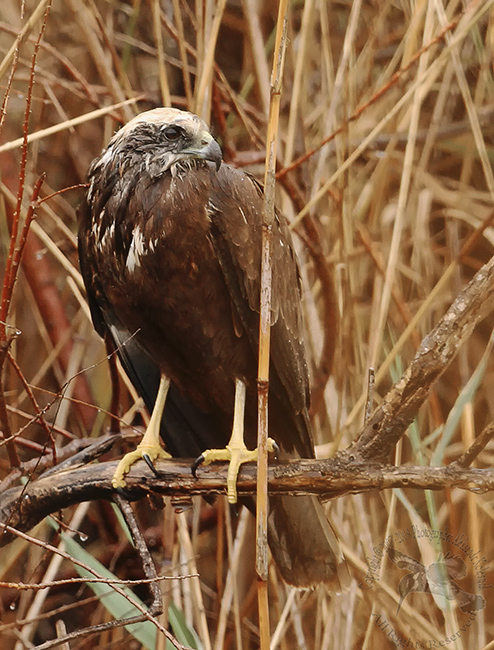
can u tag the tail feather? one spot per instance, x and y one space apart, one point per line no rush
304 545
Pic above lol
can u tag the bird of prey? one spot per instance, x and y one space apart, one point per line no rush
170 252
437 578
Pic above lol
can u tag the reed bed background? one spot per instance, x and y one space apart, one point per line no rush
392 102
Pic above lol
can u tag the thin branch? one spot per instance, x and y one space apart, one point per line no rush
466 459
16 246
11 271
39 414
392 418
36 586
149 571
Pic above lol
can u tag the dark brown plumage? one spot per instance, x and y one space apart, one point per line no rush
170 243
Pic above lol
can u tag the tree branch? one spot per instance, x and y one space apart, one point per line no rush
392 418
23 507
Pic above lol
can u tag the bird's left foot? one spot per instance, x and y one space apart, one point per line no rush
147 452
236 454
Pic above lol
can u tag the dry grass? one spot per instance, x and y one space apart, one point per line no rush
386 204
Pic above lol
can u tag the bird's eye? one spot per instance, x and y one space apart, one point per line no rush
172 133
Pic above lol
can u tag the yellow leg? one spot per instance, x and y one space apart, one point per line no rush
150 444
236 452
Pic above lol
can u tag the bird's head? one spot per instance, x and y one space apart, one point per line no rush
161 138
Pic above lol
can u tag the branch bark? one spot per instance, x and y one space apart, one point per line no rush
24 507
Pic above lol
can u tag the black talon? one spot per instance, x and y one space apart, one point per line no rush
151 466
123 493
277 450
198 461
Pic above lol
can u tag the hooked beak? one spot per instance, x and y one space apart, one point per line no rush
207 149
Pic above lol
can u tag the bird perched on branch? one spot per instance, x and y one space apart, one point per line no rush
170 251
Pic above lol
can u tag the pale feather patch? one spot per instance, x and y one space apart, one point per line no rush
107 236
211 211
91 190
106 158
243 215
164 115
96 227
152 244
136 250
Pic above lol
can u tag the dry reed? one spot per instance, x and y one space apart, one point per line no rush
384 169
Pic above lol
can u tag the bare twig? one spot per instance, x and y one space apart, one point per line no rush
16 246
64 126
466 459
40 419
152 579
437 350
40 274
371 386
158 36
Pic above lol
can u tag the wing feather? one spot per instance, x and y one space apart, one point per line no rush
236 206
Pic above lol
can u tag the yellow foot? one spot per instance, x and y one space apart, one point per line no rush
146 452
237 455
